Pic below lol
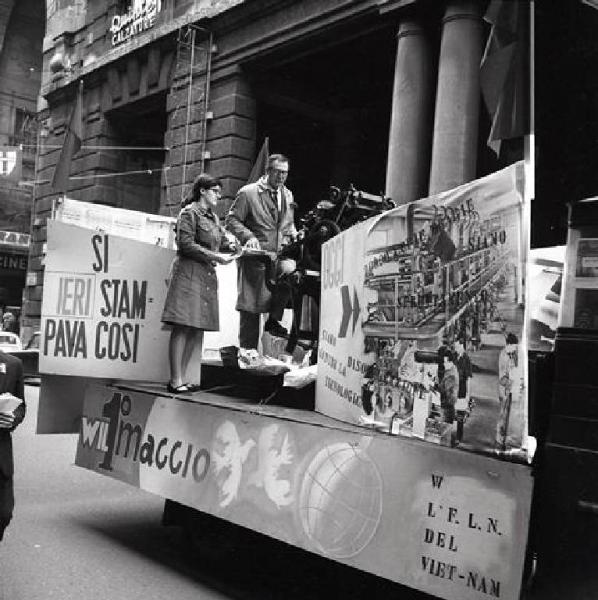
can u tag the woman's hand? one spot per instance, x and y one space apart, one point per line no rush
224 259
7 421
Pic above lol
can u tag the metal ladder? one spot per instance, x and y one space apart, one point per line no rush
193 58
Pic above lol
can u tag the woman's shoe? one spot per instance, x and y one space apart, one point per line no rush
178 389
193 387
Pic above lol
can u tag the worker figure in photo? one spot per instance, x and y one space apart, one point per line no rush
465 373
384 408
191 305
262 218
508 384
448 376
11 382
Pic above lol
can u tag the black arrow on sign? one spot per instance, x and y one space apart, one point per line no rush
355 308
347 309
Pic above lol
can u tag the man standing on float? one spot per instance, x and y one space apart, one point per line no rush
262 218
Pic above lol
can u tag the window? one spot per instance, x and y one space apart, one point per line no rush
25 131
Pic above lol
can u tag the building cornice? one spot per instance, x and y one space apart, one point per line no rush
305 19
143 40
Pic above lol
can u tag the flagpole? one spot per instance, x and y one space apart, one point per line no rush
24 296
267 144
35 171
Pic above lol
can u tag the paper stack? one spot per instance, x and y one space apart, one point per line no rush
8 404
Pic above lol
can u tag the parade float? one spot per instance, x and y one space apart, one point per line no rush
373 477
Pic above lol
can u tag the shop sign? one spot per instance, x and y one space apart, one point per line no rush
140 17
102 303
13 238
453 525
443 275
13 262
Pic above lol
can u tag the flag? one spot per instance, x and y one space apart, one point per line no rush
11 161
261 163
70 146
503 71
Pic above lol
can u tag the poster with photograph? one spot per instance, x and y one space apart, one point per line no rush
422 316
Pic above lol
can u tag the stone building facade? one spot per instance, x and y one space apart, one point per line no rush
382 94
21 30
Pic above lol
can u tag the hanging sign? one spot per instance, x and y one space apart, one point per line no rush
103 299
14 238
422 319
140 17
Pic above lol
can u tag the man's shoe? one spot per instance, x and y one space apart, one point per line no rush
275 328
180 389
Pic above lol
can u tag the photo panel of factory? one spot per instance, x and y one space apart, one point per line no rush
384 95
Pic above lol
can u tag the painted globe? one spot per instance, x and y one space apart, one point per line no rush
340 502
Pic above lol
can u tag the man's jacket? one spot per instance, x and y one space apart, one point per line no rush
254 213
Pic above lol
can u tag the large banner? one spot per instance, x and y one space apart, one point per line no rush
422 314
157 230
103 298
451 524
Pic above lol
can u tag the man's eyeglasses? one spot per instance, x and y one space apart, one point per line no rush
279 171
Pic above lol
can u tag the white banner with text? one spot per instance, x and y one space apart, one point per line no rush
103 298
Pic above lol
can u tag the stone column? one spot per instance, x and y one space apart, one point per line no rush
454 147
408 163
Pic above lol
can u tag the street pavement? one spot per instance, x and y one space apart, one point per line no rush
76 535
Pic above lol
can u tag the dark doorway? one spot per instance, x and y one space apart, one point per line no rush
139 126
328 107
307 142
566 96
329 111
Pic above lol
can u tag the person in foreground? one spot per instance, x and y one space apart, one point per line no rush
262 218
11 383
191 305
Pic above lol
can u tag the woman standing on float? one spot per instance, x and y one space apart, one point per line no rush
191 305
